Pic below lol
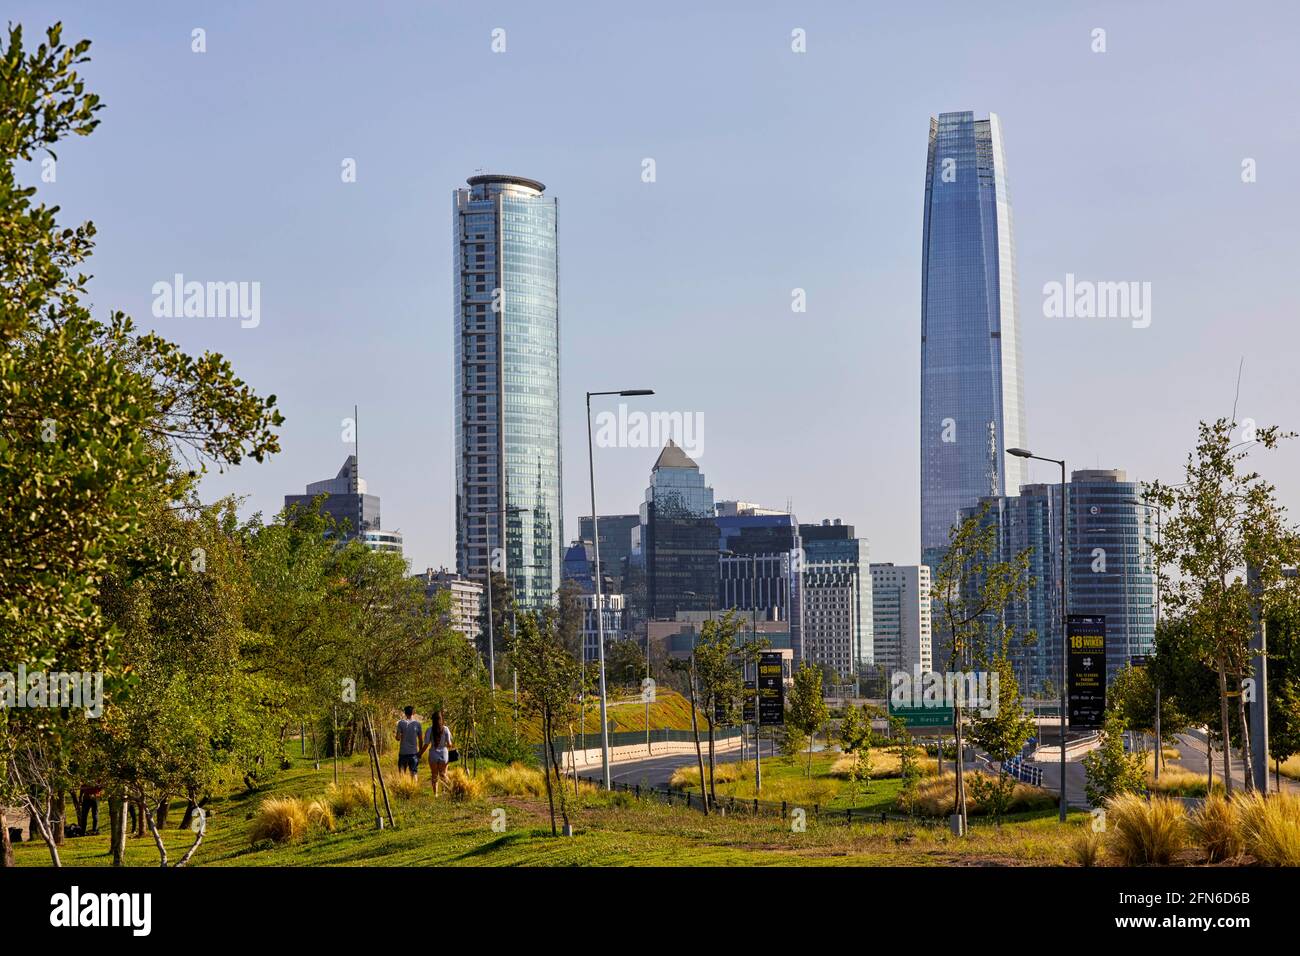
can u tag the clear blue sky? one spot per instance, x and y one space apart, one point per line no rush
775 171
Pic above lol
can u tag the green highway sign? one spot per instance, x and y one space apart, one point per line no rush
923 716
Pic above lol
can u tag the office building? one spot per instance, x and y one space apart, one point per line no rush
1110 571
616 532
760 570
972 406
837 618
676 542
354 512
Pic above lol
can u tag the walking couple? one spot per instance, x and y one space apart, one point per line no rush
413 740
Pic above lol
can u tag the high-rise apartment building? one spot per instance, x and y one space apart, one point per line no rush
507 384
900 601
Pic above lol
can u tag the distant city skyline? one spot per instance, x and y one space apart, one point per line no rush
774 171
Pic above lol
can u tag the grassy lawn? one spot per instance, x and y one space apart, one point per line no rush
611 830
626 712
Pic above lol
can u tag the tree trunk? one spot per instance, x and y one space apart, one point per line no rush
203 828
546 759
6 848
713 791
57 807
157 837
1227 736
699 754
1247 764
374 753
559 783
960 804
43 828
164 804
117 828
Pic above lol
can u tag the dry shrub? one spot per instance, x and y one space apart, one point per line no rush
936 796
1215 827
404 786
1144 832
1087 846
462 786
280 820
886 764
348 797
319 815
516 780
1270 828
689 775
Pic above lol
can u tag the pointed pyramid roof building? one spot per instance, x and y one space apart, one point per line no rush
673 457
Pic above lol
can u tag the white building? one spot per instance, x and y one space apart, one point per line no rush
615 623
900 600
830 615
389 541
466 613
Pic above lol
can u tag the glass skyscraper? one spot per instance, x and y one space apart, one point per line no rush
507 384
972 407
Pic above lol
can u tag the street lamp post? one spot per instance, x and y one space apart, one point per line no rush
600 610
1065 651
1160 512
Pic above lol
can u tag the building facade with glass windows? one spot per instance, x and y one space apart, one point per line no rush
972 406
838 619
676 543
1109 570
760 569
507 384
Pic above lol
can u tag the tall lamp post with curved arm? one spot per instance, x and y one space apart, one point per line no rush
600 608
1065 653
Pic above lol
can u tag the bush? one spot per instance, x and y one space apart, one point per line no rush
515 780
348 797
1144 832
280 820
404 786
499 743
1215 827
320 816
1087 846
1270 827
1110 770
462 786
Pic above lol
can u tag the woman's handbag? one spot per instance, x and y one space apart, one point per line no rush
453 755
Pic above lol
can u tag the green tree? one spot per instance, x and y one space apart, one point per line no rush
854 734
1110 770
97 421
806 709
719 679
974 591
548 677
1224 519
